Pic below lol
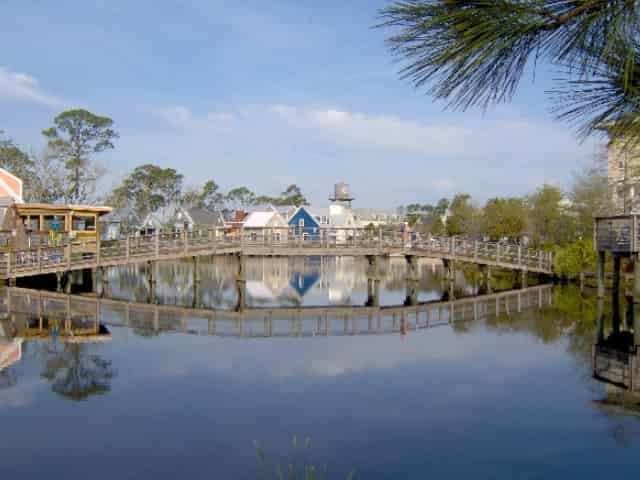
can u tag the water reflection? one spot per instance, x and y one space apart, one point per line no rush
615 357
393 390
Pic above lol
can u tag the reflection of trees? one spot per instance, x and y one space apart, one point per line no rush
8 378
75 373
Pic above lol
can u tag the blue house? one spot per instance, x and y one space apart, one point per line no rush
303 224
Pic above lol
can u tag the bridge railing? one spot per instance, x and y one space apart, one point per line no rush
81 253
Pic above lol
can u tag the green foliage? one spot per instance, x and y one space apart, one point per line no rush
298 465
464 217
208 197
475 52
75 136
240 197
574 259
291 197
550 224
147 189
504 217
590 197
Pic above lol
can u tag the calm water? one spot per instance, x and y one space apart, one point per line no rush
167 395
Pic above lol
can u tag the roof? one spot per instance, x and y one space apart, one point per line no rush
259 219
201 216
57 208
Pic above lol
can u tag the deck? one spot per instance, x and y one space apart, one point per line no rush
79 255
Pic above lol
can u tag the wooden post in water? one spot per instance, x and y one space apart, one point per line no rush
601 273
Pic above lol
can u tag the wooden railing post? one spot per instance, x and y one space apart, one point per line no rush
97 248
475 249
39 254
156 240
519 255
380 237
497 252
540 255
127 247
67 254
185 241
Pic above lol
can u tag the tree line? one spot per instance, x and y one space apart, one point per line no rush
66 171
548 218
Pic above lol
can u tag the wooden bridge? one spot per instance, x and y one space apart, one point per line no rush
33 312
79 255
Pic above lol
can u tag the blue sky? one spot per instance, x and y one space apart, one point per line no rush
265 94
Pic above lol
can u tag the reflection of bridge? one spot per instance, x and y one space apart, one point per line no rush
270 322
170 246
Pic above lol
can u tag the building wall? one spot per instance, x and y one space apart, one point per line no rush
311 227
10 186
624 164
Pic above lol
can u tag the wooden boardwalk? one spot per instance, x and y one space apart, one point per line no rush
77 255
78 311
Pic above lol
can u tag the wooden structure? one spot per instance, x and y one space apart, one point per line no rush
35 224
620 236
76 254
272 322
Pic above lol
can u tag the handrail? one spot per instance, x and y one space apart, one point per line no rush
93 253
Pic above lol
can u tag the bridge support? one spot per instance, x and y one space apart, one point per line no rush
412 267
373 282
241 284
636 279
373 292
486 279
152 280
521 278
600 273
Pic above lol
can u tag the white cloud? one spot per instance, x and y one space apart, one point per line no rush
24 87
405 158
374 131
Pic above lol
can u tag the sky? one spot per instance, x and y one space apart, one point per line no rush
265 94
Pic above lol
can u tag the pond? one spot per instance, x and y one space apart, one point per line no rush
177 378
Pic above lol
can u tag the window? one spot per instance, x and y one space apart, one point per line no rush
53 223
324 220
277 236
254 236
301 222
83 224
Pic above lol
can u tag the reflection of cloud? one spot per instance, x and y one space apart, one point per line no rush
280 358
20 395
24 87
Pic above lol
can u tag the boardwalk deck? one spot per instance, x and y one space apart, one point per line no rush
170 246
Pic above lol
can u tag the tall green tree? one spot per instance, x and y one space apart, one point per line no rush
550 221
147 189
464 216
75 136
475 53
590 198
240 198
504 217
208 197
292 196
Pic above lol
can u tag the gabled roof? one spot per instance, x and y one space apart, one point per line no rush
201 216
306 209
262 219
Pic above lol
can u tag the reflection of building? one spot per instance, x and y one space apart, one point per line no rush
10 352
616 361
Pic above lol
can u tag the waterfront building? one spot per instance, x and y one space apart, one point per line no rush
260 224
623 174
305 224
194 218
